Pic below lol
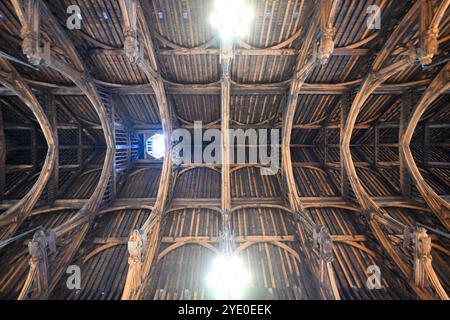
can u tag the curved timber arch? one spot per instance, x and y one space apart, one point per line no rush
261 206
195 167
178 245
438 206
82 80
193 207
14 217
375 78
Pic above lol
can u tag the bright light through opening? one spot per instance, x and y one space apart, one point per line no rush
156 146
228 278
232 18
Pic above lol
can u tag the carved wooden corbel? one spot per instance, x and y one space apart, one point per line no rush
29 16
423 275
131 45
143 250
136 247
430 19
37 283
328 9
323 241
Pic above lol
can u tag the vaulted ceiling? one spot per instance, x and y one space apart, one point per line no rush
364 122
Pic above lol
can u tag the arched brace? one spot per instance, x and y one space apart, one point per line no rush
360 247
78 74
49 210
261 206
175 46
242 166
178 245
121 208
14 216
315 168
439 206
280 45
139 171
283 246
101 249
194 167
175 209
144 243
341 205
87 172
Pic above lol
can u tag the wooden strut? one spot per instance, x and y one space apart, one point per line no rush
13 218
144 243
305 65
78 74
374 79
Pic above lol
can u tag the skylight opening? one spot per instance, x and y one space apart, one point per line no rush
156 146
232 18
